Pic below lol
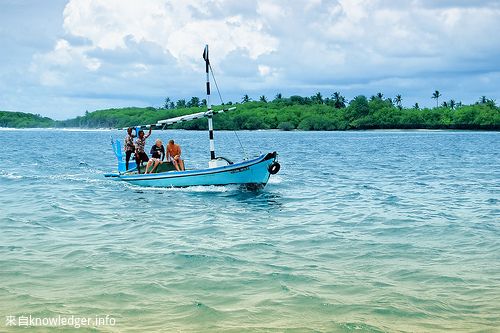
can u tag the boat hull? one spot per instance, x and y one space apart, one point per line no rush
251 173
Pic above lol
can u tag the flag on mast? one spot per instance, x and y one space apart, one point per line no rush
205 53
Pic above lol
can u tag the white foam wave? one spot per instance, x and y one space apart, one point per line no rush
275 179
200 189
9 175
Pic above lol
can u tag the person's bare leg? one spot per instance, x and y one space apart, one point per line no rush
155 166
176 165
181 162
147 166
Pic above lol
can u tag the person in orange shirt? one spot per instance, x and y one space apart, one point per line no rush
174 155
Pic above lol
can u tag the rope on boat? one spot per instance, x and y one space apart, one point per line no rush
222 102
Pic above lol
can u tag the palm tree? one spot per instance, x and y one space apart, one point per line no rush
245 99
452 104
487 101
167 103
338 100
416 106
318 97
445 104
263 99
278 97
181 104
491 103
436 96
380 95
195 101
398 100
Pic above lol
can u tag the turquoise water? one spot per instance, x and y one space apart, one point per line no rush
360 231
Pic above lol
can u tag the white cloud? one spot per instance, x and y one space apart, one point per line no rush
234 33
109 50
52 66
108 23
264 70
136 70
345 38
271 10
173 25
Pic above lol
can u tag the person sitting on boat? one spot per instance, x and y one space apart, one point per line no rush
140 154
174 155
157 156
129 147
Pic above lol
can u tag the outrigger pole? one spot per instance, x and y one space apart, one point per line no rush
209 106
165 122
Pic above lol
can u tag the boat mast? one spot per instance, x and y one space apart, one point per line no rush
209 106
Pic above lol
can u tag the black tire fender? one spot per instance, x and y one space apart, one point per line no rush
274 168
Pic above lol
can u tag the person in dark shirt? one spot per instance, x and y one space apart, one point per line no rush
157 155
129 146
140 154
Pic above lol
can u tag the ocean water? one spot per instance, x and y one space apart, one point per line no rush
382 231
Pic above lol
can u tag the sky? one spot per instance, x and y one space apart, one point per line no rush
60 58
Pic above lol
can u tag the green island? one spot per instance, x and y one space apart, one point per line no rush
24 120
288 113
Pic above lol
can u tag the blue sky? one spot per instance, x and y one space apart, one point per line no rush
61 58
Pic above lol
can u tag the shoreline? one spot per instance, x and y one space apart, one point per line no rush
79 129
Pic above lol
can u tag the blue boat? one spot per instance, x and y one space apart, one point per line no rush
252 173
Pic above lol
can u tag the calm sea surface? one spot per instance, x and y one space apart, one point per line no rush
360 231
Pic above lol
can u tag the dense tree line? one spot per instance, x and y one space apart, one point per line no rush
304 113
24 120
